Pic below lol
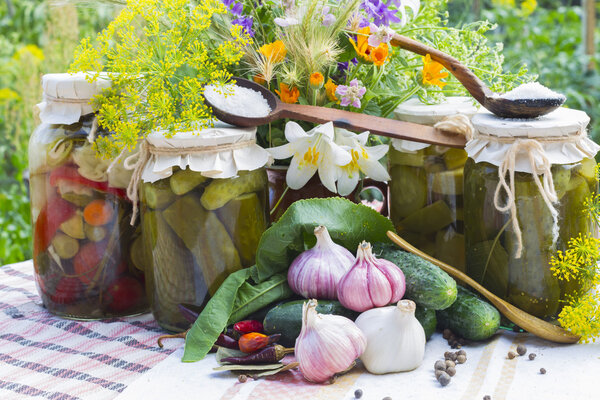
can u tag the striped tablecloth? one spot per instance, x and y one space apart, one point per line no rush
45 357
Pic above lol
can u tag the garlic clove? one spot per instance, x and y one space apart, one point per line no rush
396 278
353 290
317 271
379 287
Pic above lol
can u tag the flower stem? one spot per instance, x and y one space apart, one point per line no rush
280 199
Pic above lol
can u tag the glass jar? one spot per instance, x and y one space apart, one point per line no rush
200 226
426 187
518 269
80 212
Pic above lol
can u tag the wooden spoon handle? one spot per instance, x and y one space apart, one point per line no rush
531 324
376 125
464 75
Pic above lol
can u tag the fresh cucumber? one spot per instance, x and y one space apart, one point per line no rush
426 284
286 318
470 316
427 319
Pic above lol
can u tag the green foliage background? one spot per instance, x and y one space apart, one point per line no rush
39 36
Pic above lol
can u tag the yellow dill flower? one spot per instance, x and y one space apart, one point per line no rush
30 49
528 7
585 249
316 80
432 72
274 52
330 89
565 265
7 94
582 316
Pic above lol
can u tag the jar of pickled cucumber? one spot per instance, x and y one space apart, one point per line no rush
204 206
80 211
525 186
426 187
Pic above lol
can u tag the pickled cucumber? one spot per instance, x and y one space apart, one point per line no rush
220 191
450 248
416 159
572 205
561 177
455 158
448 182
74 226
532 286
138 253
65 246
158 195
408 189
487 263
206 237
186 180
429 219
244 219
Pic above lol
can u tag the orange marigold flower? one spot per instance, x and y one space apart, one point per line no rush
258 78
275 52
316 80
379 54
330 89
432 72
362 43
287 94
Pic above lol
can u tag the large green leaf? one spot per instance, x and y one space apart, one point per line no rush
237 298
348 224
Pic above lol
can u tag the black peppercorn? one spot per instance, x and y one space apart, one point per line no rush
444 379
358 393
521 350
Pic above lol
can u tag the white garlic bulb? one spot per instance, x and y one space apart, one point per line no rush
316 272
395 338
327 345
370 282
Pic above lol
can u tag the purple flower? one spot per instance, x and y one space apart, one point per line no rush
246 23
351 95
228 3
343 66
328 18
237 9
380 12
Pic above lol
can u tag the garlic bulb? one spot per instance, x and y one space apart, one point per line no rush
316 272
327 345
395 338
371 282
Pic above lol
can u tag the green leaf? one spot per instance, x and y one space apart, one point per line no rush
252 297
348 224
213 319
235 299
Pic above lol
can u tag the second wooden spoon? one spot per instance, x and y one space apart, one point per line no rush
531 324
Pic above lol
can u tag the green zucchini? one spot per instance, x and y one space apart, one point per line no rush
427 319
426 284
286 318
470 317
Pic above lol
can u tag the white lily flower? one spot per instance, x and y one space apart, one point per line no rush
414 5
364 159
312 151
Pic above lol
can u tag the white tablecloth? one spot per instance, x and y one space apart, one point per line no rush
44 357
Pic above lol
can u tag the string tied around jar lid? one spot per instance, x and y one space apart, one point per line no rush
137 162
540 165
457 123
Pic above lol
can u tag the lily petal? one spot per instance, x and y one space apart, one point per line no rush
377 152
281 152
294 132
347 183
297 176
373 169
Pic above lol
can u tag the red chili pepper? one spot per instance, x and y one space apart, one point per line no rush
250 342
248 326
226 341
52 215
69 173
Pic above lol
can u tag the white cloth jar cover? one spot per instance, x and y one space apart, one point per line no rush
561 134
67 96
217 152
414 110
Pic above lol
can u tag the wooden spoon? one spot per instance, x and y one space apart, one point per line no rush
340 118
506 108
531 324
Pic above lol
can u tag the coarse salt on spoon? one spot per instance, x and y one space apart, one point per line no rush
233 111
531 324
526 101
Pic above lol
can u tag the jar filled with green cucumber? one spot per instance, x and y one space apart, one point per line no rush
204 207
426 187
526 182
80 210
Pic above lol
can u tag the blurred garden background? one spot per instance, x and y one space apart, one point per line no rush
39 36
